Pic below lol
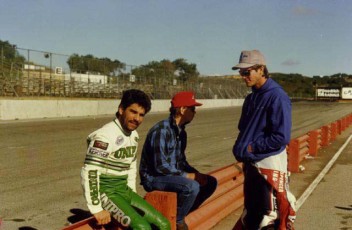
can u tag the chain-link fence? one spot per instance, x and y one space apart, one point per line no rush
51 74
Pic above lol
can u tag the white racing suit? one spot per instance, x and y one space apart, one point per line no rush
274 170
268 200
109 178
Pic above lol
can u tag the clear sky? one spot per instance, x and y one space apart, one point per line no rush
296 36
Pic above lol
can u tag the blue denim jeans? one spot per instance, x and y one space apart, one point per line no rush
190 195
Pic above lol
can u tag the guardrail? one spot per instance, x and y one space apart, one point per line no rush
308 145
228 196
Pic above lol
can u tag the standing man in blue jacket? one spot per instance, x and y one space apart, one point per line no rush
265 130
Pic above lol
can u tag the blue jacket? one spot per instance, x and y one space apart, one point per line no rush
265 123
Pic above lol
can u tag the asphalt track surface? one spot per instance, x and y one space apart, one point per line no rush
329 205
41 161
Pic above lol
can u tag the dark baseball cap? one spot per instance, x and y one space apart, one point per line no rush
185 98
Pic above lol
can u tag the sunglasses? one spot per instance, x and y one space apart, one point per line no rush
245 73
193 108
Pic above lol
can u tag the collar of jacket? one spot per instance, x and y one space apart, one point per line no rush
118 124
174 126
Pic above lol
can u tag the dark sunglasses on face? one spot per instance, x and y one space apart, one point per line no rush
193 108
245 73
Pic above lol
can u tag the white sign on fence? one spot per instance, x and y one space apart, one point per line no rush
132 78
346 93
328 93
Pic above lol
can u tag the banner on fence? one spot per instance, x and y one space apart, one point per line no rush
346 93
328 92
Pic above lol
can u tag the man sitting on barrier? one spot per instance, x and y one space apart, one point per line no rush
109 172
163 163
265 130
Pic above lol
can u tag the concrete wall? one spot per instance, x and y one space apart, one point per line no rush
30 109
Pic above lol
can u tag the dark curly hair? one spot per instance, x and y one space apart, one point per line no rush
132 96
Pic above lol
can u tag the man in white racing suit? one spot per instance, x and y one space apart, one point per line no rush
109 171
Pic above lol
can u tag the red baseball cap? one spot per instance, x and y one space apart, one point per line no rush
185 98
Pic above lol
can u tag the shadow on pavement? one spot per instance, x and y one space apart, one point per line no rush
78 215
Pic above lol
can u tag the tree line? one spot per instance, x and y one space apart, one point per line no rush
297 84
180 69
9 52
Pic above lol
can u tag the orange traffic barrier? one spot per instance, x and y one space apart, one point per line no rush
309 144
156 198
227 197
165 203
333 131
325 136
339 127
349 119
343 123
212 213
297 150
314 142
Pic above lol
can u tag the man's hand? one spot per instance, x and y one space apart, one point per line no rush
102 217
249 148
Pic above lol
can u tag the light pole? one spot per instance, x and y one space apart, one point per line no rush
315 84
49 55
2 58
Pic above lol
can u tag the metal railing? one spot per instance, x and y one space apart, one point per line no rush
48 74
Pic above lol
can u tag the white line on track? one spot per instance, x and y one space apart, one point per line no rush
314 184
